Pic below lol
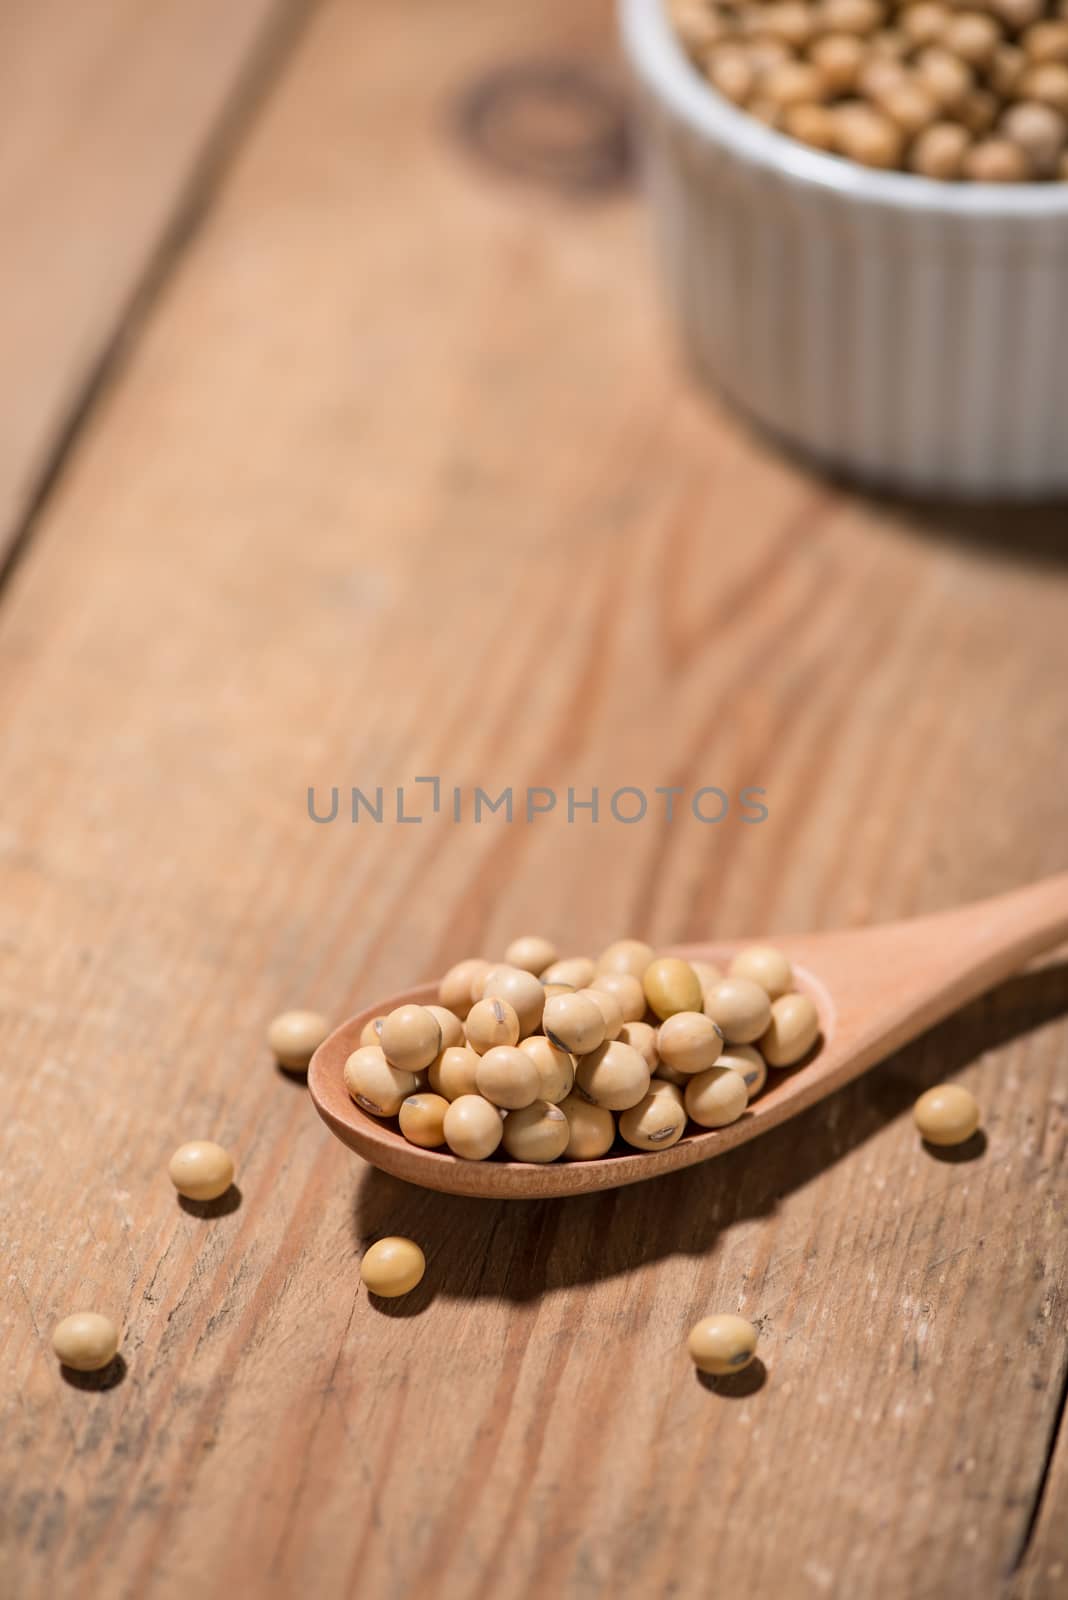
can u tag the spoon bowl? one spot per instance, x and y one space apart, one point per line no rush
875 990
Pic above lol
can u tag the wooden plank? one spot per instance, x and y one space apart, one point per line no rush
114 116
403 478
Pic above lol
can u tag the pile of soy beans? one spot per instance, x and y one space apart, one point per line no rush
949 89
554 1059
545 1058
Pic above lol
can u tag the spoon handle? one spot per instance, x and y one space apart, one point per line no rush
887 984
991 939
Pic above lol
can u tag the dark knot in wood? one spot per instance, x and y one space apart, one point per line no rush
558 123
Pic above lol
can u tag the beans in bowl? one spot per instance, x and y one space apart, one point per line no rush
975 92
631 1051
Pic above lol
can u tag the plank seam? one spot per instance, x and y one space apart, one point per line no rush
1055 1433
255 78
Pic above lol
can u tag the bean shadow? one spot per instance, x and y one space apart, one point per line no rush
519 1250
108 1377
955 1155
412 1304
208 1210
296 1077
736 1385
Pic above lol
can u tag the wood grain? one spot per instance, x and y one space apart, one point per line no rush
113 123
403 477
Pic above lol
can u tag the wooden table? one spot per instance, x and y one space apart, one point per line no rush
336 453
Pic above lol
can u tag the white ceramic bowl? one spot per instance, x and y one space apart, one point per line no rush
910 333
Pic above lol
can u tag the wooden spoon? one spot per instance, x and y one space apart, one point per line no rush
875 989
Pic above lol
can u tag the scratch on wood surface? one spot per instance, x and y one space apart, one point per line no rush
952 1255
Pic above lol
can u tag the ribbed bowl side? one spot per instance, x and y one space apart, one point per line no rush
922 350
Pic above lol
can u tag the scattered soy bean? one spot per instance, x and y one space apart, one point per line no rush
86 1341
201 1170
947 1114
722 1344
393 1267
294 1037
538 1132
